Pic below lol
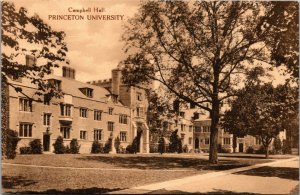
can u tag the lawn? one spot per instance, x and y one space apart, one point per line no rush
86 173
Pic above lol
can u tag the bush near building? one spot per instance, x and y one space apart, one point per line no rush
97 147
58 145
277 146
117 144
161 145
36 146
12 140
108 146
250 150
74 146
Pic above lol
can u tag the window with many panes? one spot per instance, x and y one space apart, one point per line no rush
47 119
65 110
182 127
97 115
206 129
226 140
25 130
123 136
65 131
110 126
83 112
206 141
110 111
123 119
25 105
97 134
83 135
139 112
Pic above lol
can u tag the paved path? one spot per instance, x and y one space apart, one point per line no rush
226 181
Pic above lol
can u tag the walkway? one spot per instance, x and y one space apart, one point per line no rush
227 181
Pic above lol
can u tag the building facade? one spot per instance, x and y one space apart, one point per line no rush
85 112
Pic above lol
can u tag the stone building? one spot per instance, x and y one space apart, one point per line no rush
86 112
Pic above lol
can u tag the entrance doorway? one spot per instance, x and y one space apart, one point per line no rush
197 143
46 142
241 147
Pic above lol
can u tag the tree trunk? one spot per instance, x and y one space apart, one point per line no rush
267 151
213 149
4 113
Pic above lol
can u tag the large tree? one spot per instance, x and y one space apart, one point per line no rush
261 110
24 34
198 50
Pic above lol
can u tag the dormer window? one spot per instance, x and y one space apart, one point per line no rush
87 91
55 83
68 72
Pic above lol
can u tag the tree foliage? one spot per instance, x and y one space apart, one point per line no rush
261 111
23 35
199 51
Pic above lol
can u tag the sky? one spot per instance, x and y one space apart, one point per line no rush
95 46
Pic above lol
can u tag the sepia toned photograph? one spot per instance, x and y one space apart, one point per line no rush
149 97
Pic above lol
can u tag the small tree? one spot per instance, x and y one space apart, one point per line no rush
108 145
96 147
161 145
12 140
74 146
117 144
173 146
36 146
179 147
286 147
136 142
58 145
277 146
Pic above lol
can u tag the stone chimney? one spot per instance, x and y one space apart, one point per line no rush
116 81
30 60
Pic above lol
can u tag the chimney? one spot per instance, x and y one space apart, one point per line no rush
30 60
116 81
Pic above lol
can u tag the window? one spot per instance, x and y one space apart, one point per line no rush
83 112
182 127
139 96
182 136
65 131
139 112
87 91
110 126
55 83
226 140
65 110
97 115
176 123
192 105
83 135
46 100
97 134
206 141
25 130
190 128
123 136
190 140
206 129
197 129
110 111
25 105
123 119
196 115
258 141
181 114
47 118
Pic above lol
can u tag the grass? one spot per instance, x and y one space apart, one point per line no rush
115 172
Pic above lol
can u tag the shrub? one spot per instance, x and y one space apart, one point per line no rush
161 145
74 146
286 147
154 148
277 146
185 149
261 150
122 150
97 147
58 145
179 149
117 144
36 146
12 140
25 150
130 149
108 146
250 150
173 146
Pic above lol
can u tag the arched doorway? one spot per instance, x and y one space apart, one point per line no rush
197 143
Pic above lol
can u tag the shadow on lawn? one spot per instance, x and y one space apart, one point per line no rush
217 191
12 182
142 162
72 191
281 172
